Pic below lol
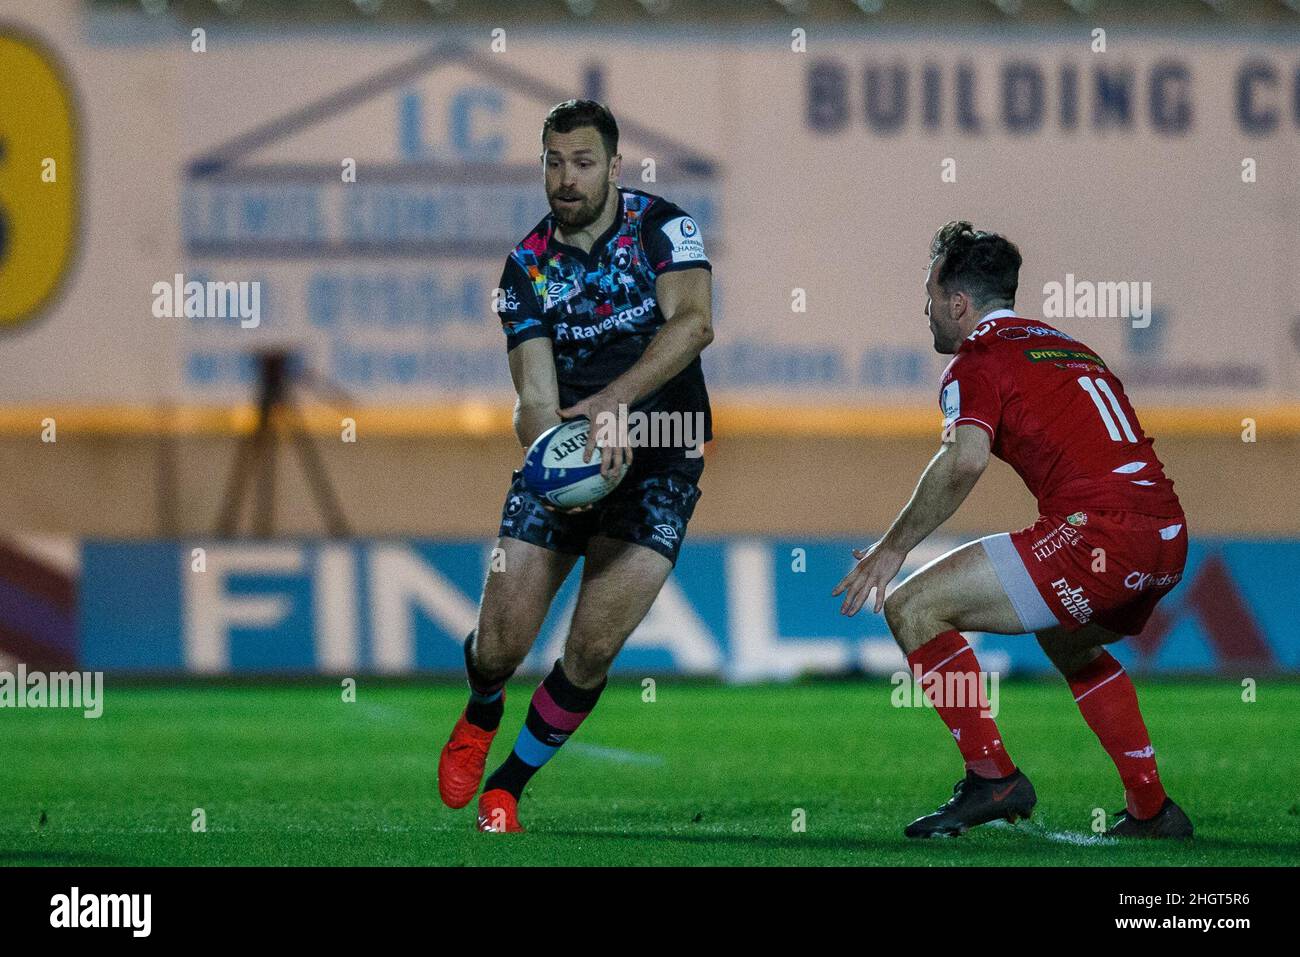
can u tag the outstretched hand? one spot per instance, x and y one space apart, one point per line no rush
877 566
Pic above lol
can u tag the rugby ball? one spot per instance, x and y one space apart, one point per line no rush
554 470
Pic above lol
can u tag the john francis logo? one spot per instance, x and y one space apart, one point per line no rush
1073 601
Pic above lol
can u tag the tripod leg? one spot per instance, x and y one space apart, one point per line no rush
264 508
245 455
314 469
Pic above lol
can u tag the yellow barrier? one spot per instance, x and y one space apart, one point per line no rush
483 420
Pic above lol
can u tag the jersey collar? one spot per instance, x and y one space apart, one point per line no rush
995 314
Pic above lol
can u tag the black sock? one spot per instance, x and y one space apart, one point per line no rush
557 708
486 695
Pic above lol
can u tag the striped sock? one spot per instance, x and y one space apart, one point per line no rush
557 708
1108 701
487 701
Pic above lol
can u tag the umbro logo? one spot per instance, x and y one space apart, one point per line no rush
558 292
667 531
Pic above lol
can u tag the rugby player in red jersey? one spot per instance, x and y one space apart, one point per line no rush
1110 542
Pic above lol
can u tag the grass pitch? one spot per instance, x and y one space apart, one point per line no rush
706 774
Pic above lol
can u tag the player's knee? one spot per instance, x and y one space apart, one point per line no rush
1069 662
499 649
586 663
901 608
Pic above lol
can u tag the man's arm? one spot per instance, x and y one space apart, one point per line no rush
944 485
685 297
532 368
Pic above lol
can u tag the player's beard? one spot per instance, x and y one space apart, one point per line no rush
944 344
584 215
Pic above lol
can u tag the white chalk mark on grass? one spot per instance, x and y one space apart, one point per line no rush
1060 837
617 755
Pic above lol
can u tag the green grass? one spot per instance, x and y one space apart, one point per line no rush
706 774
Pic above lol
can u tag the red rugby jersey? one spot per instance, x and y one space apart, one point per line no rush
1056 415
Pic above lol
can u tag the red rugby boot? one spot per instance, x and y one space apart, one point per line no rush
460 767
498 813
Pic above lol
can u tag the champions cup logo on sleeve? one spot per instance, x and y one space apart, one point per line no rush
685 238
950 400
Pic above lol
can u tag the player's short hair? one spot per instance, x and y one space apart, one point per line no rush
571 114
984 265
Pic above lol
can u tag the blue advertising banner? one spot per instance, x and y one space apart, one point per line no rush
743 609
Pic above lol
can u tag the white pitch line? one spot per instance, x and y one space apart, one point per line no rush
382 712
617 755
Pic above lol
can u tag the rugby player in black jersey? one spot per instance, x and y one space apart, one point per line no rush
606 305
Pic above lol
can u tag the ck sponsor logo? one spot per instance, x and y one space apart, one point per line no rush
1138 581
75 909
1073 601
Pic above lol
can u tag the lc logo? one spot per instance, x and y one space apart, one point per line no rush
38 180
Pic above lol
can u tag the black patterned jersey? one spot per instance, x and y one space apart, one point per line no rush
599 308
